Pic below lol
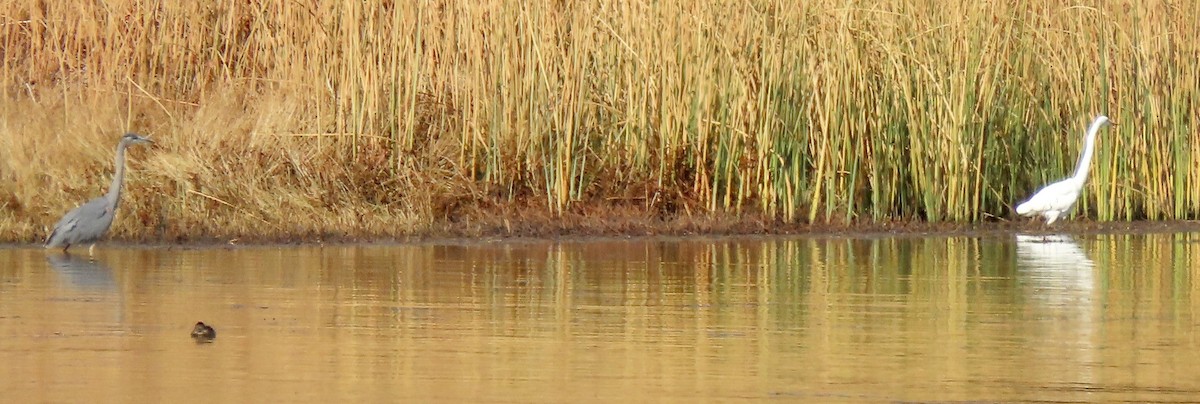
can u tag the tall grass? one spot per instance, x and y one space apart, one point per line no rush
284 117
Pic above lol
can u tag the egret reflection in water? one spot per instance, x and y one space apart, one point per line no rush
82 272
1055 257
1056 267
1059 279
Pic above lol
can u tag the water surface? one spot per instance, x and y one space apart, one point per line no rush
995 318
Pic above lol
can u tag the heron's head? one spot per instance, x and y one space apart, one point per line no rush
133 138
1102 120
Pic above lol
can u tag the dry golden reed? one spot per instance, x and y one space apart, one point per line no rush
297 119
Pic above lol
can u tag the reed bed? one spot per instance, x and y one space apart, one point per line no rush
293 119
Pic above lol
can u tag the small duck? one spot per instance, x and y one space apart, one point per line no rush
203 333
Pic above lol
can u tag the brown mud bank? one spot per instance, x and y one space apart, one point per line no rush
685 227
495 220
572 226
580 227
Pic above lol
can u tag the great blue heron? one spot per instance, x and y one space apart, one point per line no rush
1056 199
90 221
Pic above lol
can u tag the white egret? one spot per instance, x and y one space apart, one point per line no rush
1056 199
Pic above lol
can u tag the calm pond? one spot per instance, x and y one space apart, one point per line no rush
877 319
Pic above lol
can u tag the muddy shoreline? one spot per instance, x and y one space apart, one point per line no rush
541 232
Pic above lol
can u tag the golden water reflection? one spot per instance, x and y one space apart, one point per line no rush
1059 318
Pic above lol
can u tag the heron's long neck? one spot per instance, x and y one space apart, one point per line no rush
1085 161
114 190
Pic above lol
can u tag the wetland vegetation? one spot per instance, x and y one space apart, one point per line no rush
294 120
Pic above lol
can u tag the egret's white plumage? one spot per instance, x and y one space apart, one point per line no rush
1056 199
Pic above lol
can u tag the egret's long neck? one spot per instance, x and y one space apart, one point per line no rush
114 190
1089 145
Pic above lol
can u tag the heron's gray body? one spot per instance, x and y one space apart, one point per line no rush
90 222
84 224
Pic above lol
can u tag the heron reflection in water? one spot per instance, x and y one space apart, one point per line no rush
91 283
82 273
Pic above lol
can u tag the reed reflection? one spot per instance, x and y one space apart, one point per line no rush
806 319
